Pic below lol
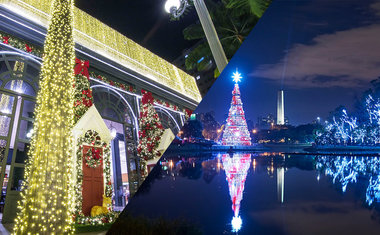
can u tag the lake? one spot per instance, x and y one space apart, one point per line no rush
264 193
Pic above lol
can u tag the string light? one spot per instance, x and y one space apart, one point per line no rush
236 132
104 40
46 204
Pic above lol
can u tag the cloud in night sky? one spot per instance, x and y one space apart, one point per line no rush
376 6
348 58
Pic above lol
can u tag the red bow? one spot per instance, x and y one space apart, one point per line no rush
96 153
188 112
5 40
82 67
27 48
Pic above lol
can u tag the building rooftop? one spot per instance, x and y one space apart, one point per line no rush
92 33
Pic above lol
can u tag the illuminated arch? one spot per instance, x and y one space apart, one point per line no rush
170 116
135 121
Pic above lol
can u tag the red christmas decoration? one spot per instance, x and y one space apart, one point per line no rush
5 40
81 67
28 49
147 97
236 130
96 153
188 112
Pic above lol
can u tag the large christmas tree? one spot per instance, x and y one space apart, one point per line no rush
150 132
236 131
47 196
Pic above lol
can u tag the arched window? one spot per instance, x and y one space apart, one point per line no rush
19 74
167 120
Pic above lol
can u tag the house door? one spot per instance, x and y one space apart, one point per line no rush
93 184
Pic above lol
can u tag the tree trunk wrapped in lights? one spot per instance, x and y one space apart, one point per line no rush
150 132
46 200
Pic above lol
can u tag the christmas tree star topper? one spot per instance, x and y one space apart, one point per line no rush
236 76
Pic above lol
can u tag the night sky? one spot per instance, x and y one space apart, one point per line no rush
323 53
145 22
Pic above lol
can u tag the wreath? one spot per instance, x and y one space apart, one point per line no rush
92 139
93 158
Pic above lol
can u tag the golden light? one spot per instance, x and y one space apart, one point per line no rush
46 204
92 33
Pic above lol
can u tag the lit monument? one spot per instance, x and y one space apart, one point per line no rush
280 108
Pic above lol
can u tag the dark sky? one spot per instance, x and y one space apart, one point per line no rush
323 53
144 21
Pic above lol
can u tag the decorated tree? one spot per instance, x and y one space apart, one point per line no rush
236 130
83 99
349 130
150 132
46 204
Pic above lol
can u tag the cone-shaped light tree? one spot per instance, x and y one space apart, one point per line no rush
236 132
46 199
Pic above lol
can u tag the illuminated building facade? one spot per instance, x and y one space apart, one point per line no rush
119 69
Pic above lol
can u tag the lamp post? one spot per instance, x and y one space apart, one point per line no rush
176 9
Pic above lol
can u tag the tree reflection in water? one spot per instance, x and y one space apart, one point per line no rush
347 170
236 168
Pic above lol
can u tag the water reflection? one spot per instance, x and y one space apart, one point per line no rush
345 170
236 169
215 182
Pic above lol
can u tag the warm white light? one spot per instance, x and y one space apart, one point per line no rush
236 223
113 133
29 134
6 111
172 3
19 90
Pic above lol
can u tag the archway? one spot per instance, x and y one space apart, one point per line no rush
121 119
19 78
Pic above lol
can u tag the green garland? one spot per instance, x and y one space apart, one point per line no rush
132 89
97 220
83 98
83 94
92 138
20 44
122 86
91 160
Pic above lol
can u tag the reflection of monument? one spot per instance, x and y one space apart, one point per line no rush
236 169
280 184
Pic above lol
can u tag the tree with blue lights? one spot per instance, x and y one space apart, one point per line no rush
349 130
236 131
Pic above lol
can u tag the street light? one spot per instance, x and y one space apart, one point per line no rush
177 7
